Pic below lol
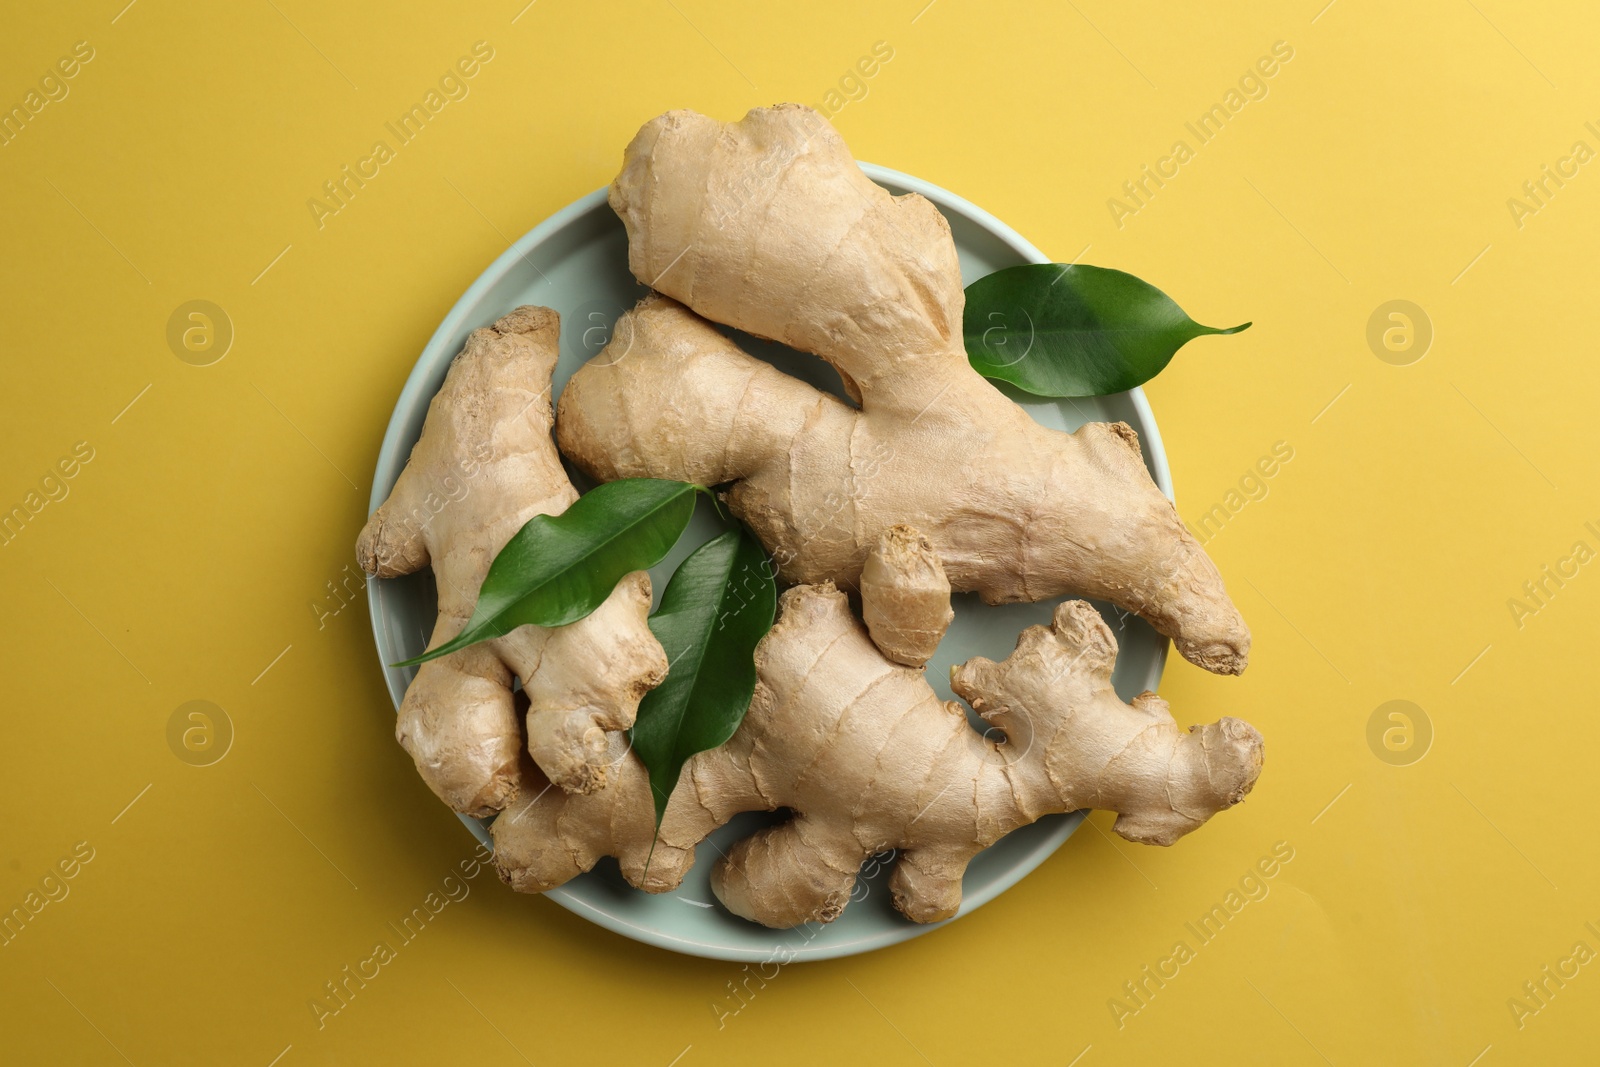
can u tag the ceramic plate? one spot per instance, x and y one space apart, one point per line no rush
577 262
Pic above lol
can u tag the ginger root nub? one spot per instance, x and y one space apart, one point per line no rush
905 596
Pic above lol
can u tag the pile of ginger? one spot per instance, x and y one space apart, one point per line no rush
930 481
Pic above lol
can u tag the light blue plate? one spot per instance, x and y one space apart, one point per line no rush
576 261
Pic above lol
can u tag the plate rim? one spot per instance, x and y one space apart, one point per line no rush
390 462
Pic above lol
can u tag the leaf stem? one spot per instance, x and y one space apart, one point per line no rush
716 504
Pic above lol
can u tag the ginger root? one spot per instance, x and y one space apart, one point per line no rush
486 465
869 759
768 225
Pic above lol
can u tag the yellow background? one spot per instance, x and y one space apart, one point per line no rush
191 550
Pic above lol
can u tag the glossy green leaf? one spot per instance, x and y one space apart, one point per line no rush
1070 330
715 610
559 568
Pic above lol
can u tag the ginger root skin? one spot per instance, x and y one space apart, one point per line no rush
484 466
769 226
869 759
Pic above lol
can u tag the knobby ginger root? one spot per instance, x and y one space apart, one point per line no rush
769 226
486 465
869 759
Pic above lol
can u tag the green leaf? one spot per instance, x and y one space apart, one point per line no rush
559 568
715 610
1069 330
